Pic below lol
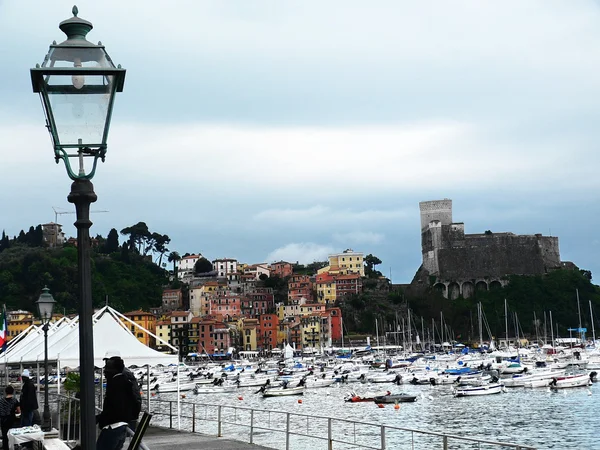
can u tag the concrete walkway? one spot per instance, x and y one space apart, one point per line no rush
162 438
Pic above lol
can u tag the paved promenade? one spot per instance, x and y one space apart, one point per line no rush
165 439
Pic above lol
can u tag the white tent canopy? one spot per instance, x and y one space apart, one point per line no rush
110 335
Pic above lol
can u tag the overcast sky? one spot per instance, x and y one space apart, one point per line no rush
267 130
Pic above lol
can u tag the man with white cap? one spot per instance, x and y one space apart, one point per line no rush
28 399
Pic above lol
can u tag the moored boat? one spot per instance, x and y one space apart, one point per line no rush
395 398
282 392
469 391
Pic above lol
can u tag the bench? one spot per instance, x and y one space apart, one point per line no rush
54 444
136 440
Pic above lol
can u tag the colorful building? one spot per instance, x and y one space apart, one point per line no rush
163 331
248 329
226 268
299 287
282 269
268 326
224 307
347 285
214 338
346 262
145 320
172 299
326 288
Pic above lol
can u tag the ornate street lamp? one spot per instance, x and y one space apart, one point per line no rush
45 306
77 83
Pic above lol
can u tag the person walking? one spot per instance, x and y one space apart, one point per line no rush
117 409
28 399
9 408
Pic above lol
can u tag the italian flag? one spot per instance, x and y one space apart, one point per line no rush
3 329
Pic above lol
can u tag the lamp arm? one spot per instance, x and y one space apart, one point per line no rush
62 154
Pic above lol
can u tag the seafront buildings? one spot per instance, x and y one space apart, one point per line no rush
234 307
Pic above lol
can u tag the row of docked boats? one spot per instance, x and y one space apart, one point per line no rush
467 374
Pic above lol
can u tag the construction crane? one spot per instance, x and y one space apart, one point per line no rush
59 213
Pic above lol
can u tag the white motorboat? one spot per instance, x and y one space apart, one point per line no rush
282 392
469 391
172 386
524 380
318 382
214 390
570 381
386 377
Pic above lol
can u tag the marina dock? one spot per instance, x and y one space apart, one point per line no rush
157 438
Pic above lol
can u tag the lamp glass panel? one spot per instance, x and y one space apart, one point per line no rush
79 105
45 310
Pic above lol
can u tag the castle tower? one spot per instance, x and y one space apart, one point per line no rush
434 215
436 210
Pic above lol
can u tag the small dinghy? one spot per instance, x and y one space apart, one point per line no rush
395 398
487 389
282 392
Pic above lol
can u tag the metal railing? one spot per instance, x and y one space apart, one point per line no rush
298 431
66 418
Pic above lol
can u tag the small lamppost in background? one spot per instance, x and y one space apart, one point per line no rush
77 83
45 306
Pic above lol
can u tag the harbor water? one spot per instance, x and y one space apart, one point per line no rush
545 419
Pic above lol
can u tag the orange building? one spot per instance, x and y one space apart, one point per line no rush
145 320
299 287
282 269
268 325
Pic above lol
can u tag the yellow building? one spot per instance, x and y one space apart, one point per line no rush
311 331
326 292
347 262
17 322
145 320
248 329
163 331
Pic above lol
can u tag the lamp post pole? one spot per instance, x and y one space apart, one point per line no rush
46 420
45 306
77 83
82 195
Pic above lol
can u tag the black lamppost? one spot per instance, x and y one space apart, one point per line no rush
45 306
77 83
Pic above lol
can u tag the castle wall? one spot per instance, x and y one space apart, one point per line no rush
495 256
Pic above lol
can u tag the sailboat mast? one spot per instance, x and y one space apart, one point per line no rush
342 324
377 332
423 335
409 331
442 328
480 325
579 314
592 319
506 322
537 335
551 331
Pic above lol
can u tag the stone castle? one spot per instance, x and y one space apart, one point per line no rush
458 263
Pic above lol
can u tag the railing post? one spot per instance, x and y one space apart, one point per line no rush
69 420
287 432
171 414
58 418
193 418
219 428
382 437
251 426
445 443
329 435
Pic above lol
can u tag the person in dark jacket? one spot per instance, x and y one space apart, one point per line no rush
28 399
117 408
9 407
